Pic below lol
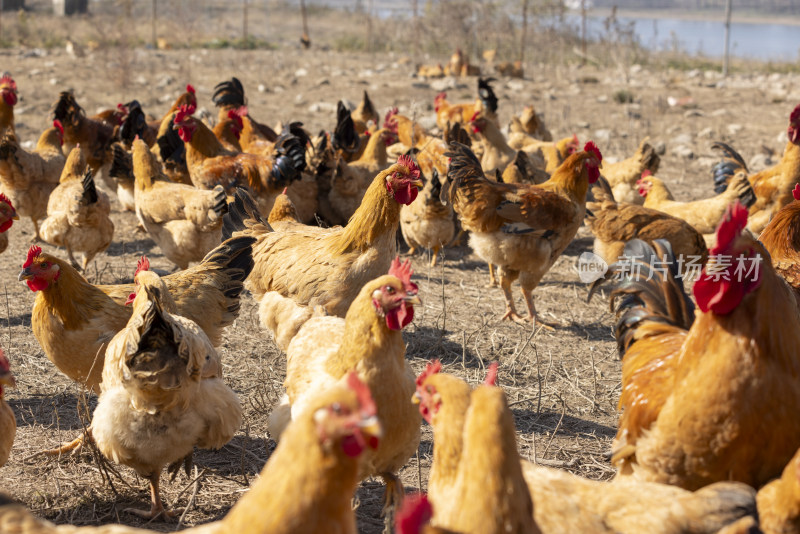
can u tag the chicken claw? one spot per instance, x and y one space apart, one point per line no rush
74 447
395 492
156 505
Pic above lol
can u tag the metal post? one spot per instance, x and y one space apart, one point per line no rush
583 31
524 36
726 56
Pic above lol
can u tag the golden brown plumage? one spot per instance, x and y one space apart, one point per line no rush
622 176
283 215
779 501
704 215
28 178
94 136
714 401
8 422
368 340
185 222
614 223
306 486
773 186
8 214
427 223
329 266
8 99
520 228
162 392
781 238
78 215
563 502
74 320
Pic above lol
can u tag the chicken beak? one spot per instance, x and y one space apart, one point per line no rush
417 183
25 274
413 300
15 216
371 426
415 398
7 379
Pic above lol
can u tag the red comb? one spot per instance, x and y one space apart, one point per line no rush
388 121
793 118
122 107
403 272
241 111
284 190
406 161
8 81
142 265
796 192
186 110
730 228
189 88
415 512
33 253
4 198
591 147
491 374
364 395
474 116
575 139
646 173
58 126
440 96
431 369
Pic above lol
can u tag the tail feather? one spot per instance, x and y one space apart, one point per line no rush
291 154
731 163
89 190
369 109
344 135
121 165
487 95
171 147
243 216
67 109
464 167
645 286
135 123
220 206
235 257
455 132
229 93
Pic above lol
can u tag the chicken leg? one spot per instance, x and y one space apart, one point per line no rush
492 278
533 318
391 499
435 255
156 505
506 278
73 447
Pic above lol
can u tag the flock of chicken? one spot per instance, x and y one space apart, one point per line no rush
336 298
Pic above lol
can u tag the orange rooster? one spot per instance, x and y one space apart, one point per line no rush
369 341
7 217
711 397
307 485
8 422
95 137
256 137
781 238
28 178
623 175
773 186
329 266
426 223
486 104
210 164
520 228
162 391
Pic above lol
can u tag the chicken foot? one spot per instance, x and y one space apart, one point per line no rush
156 505
73 447
506 279
533 318
395 492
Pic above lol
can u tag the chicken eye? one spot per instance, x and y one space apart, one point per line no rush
390 290
43 265
336 407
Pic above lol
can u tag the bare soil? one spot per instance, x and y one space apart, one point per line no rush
563 386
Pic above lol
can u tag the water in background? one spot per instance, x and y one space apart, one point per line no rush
767 42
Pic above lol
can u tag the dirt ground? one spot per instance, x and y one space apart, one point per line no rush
563 386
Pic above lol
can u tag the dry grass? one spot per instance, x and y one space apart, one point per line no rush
562 386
